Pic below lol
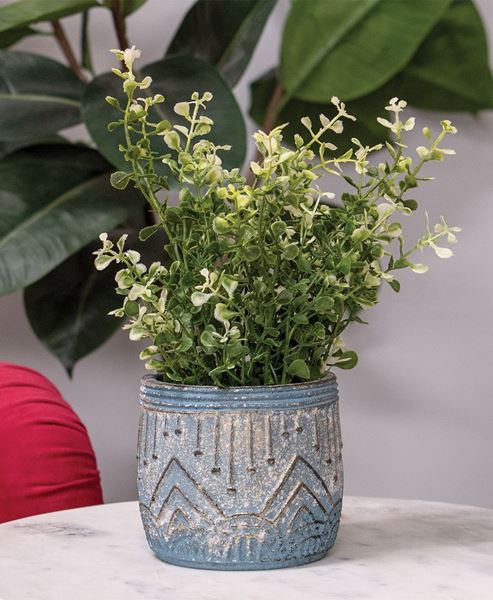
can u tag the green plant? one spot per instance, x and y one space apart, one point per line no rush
55 195
260 280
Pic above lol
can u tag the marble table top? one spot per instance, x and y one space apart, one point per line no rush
386 550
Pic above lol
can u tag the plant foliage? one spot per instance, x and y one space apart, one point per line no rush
261 279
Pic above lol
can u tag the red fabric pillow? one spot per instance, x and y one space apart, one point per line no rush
46 459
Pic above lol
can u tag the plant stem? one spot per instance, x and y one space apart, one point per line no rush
67 50
119 23
269 119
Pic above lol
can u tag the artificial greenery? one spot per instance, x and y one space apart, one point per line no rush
55 195
260 280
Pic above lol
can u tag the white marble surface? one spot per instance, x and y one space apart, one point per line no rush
386 550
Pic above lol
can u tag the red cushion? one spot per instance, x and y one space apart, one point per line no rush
46 459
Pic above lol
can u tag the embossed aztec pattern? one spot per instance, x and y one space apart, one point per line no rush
246 487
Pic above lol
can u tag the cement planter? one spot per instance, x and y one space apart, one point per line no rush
240 478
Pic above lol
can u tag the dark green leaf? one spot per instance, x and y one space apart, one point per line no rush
175 78
68 308
411 204
146 232
131 308
395 285
7 148
301 319
323 304
53 201
38 96
299 369
347 360
284 297
349 49
10 37
223 33
25 12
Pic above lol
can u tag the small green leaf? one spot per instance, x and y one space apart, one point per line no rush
347 360
345 265
323 304
411 204
207 338
291 251
395 285
251 253
119 180
146 232
299 369
220 225
301 319
131 308
186 343
284 297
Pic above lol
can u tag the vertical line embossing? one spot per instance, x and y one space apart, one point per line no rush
329 438
316 434
154 433
298 427
139 436
231 486
217 436
198 450
178 429
268 439
284 430
165 426
251 468
146 433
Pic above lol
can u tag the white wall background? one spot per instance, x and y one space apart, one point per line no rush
418 410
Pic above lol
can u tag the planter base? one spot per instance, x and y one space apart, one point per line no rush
243 566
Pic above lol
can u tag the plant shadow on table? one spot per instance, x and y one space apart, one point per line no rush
392 532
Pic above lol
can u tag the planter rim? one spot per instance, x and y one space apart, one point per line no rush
154 381
159 395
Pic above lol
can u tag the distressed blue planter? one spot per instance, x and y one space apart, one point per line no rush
240 478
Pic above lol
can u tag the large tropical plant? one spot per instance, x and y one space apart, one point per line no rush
55 196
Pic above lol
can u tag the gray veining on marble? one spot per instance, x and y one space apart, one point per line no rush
386 550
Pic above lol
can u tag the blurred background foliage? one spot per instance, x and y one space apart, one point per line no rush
55 196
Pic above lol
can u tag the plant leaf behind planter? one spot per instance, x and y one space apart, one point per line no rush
349 49
450 71
176 78
38 96
25 12
68 308
223 33
53 201
7 38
